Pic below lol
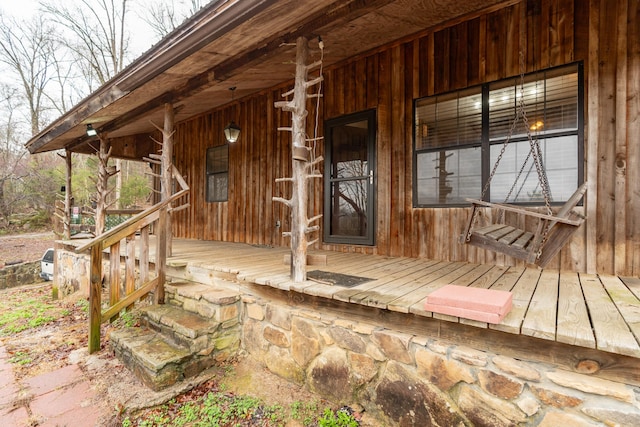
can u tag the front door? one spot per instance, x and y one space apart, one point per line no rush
350 179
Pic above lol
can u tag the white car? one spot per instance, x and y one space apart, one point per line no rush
46 265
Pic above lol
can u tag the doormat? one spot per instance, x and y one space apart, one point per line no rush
336 279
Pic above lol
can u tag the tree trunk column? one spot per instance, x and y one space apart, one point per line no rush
166 173
68 197
299 199
302 167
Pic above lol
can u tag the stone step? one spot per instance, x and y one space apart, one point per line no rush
156 362
200 327
218 302
179 326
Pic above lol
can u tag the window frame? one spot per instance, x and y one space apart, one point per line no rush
209 173
486 142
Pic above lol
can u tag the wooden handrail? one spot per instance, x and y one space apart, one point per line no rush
111 239
123 230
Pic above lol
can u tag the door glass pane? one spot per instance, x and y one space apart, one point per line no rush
349 208
350 186
349 150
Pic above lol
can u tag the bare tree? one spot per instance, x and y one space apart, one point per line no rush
11 155
97 35
26 48
165 16
68 85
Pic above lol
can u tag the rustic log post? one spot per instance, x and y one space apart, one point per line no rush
302 167
104 173
166 174
68 197
95 289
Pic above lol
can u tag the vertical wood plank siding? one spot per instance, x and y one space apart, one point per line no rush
604 34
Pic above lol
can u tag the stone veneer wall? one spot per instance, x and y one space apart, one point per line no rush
20 274
71 271
422 381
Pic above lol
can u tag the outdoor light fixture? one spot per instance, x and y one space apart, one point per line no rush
91 131
232 131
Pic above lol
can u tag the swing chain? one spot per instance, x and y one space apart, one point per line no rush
514 123
537 160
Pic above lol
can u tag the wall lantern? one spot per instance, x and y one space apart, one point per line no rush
232 131
91 131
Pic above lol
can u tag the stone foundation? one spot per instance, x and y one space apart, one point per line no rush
24 273
405 379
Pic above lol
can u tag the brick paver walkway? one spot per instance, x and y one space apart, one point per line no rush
59 398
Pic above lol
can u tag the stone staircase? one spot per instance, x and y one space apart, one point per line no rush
197 327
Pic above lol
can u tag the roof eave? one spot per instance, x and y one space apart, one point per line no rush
212 21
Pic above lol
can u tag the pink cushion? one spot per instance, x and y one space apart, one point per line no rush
484 305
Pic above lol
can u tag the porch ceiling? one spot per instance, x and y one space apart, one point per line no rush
241 43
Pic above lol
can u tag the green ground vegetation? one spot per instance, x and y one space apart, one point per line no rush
21 311
219 408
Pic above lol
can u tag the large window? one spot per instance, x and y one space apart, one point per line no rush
217 173
459 137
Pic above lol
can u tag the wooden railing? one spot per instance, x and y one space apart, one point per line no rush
155 216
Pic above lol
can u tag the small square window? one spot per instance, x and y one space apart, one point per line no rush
218 173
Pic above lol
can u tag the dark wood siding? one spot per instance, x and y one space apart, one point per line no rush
603 33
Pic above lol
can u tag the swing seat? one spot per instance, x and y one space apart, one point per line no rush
528 246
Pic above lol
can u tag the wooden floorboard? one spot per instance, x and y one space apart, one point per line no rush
406 282
522 293
590 311
415 300
403 302
633 284
574 326
611 332
540 319
627 303
361 291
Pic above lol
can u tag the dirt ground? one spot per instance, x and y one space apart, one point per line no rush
24 247
57 344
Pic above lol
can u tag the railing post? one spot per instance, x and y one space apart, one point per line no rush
114 280
161 257
144 254
130 267
95 289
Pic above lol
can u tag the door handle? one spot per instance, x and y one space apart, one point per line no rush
371 176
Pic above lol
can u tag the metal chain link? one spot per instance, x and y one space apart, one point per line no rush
534 150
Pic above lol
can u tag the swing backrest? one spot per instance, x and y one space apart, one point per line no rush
572 202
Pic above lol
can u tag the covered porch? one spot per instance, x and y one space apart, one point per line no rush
583 322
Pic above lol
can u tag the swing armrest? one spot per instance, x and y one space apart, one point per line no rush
517 209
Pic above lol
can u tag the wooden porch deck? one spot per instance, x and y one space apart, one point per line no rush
591 311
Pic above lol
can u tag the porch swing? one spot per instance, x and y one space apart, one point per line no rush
551 231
